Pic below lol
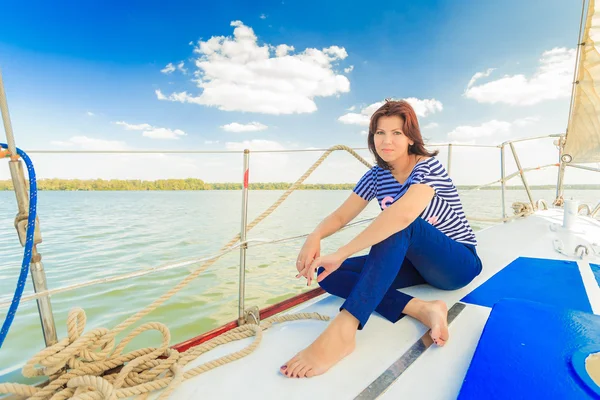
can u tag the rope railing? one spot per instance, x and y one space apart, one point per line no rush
75 363
588 210
511 176
596 211
89 355
251 243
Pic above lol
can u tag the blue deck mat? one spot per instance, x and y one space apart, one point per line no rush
596 271
526 351
553 282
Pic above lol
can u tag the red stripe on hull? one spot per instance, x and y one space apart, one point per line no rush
264 313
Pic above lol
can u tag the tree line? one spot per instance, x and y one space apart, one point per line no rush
199 184
164 184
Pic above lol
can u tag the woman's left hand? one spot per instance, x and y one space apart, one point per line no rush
330 263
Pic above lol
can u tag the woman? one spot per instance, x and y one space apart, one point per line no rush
421 236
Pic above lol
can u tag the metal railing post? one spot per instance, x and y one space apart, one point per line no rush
503 176
561 172
38 275
449 158
244 247
522 174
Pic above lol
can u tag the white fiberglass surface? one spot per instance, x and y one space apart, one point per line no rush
381 342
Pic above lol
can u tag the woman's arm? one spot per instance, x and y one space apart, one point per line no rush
353 206
331 224
391 220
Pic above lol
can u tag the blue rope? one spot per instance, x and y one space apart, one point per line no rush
28 245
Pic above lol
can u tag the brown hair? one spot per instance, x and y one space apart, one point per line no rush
410 128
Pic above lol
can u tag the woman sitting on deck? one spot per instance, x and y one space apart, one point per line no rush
421 236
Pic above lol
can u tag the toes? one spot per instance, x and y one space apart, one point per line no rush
292 360
293 368
302 372
310 373
439 334
285 368
444 335
437 339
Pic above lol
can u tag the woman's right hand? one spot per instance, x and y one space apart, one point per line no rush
310 250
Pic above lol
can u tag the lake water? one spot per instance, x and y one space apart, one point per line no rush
89 235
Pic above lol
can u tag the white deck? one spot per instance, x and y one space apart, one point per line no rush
437 374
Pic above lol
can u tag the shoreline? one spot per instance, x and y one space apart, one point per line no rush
199 185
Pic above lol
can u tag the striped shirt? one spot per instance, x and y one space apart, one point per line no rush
445 210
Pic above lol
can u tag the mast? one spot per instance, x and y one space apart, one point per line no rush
565 159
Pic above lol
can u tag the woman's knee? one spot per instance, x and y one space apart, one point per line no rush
459 279
394 240
325 282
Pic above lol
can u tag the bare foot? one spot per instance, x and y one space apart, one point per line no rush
335 343
433 314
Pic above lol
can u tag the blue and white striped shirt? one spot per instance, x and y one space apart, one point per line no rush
445 210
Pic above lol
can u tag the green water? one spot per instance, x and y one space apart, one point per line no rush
89 235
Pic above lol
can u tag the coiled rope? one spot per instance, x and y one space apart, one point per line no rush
74 364
78 360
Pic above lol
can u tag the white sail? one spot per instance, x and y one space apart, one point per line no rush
583 132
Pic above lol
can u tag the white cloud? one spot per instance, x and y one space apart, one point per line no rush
354 118
87 143
340 167
163 133
425 107
132 166
236 74
283 50
211 141
257 144
349 69
250 127
160 95
479 75
526 121
168 69
132 127
90 114
364 132
263 16
336 52
153 132
552 80
265 166
422 108
431 125
493 131
181 67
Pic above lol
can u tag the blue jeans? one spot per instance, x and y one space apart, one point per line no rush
418 254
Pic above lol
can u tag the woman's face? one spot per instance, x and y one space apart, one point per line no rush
390 141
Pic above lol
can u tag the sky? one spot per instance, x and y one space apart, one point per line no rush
274 75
